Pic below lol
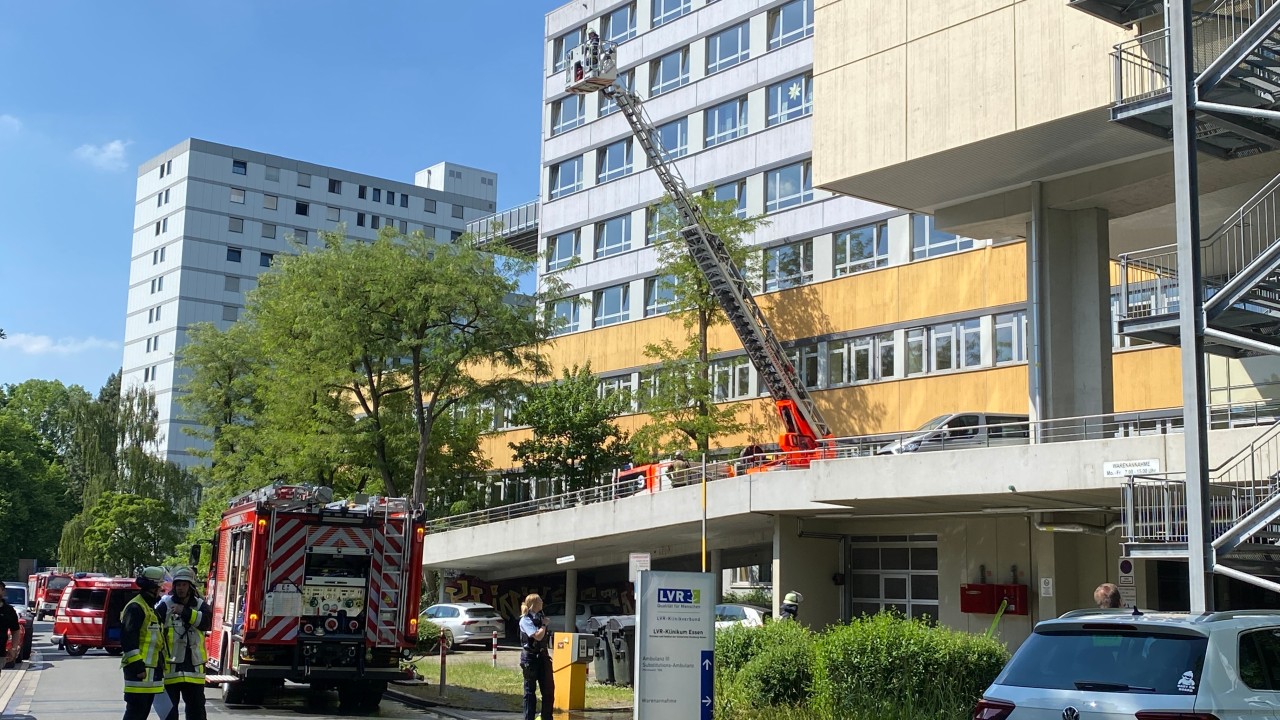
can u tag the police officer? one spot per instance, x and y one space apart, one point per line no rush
142 644
790 609
535 661
185 619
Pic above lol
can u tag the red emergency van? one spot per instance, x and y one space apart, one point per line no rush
88 614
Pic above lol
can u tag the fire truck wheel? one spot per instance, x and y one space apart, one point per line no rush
233 693
76 650
349 696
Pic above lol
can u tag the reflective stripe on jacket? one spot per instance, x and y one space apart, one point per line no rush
148 651
187 654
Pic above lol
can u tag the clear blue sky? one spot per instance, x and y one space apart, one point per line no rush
91 89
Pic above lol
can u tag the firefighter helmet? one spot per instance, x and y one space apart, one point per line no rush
793 598
184 574
150 577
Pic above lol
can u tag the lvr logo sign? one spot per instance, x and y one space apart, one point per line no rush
685 597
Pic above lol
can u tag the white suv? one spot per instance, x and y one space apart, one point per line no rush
1106 664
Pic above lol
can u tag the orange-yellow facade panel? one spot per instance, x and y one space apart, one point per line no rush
943 285
1147 379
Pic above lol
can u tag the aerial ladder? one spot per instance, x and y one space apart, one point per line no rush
592 67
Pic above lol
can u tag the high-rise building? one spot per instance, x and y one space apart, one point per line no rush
210 218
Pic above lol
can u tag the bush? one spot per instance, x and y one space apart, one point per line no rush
755 596
885 664
779 676
428 636
737 645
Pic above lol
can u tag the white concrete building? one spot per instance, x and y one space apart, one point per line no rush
209 218
728 85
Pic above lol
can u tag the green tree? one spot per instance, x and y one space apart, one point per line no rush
360 324
34 502
681 399
575 441
47 406
124 531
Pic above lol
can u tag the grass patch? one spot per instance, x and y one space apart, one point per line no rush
477 684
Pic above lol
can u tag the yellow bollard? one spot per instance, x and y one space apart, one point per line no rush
570 654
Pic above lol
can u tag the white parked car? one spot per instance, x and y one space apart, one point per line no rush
729 614
466 622
1110 664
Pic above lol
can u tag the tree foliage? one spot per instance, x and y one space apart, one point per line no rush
34 502
123 531
683 404
575 441
48 406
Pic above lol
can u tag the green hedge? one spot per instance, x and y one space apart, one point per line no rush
888 664
883 667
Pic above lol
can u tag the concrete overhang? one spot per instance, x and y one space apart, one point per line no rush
983 189
1021 479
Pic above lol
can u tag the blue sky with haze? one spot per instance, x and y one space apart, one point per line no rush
90 89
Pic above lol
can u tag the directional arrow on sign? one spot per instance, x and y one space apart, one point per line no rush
706 664
706 701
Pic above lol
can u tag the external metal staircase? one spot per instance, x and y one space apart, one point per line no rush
1244 501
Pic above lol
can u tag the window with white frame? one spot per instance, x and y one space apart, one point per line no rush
927 241
788 186
861 248
664 11
790 23
567 113
562 249
728 48
613 236
561 46
564 315
647 388
850 361
673 138
620 25
726 121
659 294
886 351
656 218
616 384
669 72
916 358
566 177
735 191
804 359
894 573
789 100
955 345
731 378
1011 337
788 265
611 305
614 161
627 79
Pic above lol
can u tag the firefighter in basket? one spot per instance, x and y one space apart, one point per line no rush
185 619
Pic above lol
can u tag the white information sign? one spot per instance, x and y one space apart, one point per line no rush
1125 468
1128 583
675 645
638 562
1046 587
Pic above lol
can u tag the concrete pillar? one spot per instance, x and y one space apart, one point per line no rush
570 602
715 566
805 565
1073 316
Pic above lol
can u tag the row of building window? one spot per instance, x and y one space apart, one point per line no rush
788 100
157 284
153 314
234 254
153 343
268 230
363 192
149 373
157 256
787 24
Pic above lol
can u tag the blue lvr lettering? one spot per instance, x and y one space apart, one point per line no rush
670 595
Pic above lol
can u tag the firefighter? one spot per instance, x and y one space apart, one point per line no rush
185 618
790 609
142 644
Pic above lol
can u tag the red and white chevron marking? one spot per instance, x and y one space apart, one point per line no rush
343 538
288 554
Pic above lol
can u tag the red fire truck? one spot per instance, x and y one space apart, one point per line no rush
48 588
314 591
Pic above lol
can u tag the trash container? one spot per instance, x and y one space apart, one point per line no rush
622 645
602 667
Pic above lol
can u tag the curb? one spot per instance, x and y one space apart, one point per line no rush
424 704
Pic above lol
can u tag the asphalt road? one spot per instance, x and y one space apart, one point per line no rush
56 686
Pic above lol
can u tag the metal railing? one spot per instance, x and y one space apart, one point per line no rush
1156 507
515 221
1092 427
1140 66
1242 238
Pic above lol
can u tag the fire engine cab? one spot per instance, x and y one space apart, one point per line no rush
47 590
314 591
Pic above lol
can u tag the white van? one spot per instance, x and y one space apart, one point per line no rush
958 431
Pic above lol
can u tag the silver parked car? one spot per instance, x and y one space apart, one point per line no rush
466 622
1111 664
960 431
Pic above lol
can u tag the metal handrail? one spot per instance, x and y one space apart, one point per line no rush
511 221
1086 427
